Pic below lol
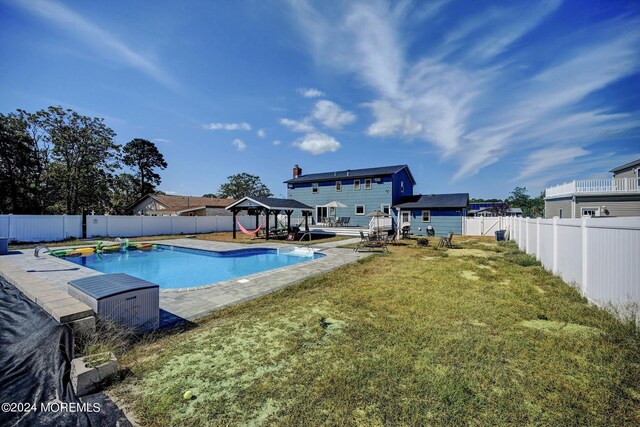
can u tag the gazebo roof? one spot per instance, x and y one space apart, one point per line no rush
270 203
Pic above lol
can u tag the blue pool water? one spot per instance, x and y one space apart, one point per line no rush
173 267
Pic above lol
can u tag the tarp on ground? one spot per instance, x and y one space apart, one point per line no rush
35 361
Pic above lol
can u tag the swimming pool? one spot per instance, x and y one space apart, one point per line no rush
174 267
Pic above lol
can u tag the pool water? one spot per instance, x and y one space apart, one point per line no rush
173 267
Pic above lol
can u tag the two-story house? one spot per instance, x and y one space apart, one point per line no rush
617 196
352 193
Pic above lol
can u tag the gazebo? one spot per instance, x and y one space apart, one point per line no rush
269 205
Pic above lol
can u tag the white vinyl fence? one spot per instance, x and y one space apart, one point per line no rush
599 256
49 228
481 226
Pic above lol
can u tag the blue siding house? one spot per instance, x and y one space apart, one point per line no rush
443 212
356 191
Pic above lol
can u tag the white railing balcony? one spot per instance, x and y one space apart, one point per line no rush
595 186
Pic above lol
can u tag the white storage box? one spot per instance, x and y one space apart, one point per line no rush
127 300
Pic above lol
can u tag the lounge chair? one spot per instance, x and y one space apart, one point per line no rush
445 242
346 221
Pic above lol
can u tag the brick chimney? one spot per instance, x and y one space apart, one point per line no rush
297 171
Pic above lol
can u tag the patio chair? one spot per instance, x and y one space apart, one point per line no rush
346 221
445 242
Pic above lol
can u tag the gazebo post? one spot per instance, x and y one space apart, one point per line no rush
235 212
268 221
288 220
257 217
306 221
275 218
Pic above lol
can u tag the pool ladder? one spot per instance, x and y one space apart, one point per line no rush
302 238
36 252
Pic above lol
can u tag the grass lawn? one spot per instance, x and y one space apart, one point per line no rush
219 237
477 335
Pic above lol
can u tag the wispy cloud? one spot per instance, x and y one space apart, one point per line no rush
261 133
547 158
161 140
87 32
239 144
479 95
310 92
228 126
317 143
277 142
297 125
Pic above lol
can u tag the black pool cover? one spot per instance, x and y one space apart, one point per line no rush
35 360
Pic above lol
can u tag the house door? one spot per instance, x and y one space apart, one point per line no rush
321 213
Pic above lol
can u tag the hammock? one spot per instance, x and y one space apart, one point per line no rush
252 232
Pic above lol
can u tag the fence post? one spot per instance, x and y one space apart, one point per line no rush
106 225
538 238
9 227
554 243
585 255
526 236
520 239
64 222
142 225
196 217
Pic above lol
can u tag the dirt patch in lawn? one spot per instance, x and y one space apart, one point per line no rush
472 252
560 327
469 275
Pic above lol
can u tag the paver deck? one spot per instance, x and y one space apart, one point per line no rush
50 276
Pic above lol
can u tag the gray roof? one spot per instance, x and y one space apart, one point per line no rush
351 173
626 166
434 201
270 203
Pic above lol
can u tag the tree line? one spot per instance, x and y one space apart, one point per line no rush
56 161
519 198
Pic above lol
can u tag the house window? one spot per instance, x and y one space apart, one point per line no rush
402 186
314 187
405 217
356 184
338 185
426 216
367 184
385 209
560 213
590 211
359 209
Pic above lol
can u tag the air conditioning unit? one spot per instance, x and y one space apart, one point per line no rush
378 179
126 300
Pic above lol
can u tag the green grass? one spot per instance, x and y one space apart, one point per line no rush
474 335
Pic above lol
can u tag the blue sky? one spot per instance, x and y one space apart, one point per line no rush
476 97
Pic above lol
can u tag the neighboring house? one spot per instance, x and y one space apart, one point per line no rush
356 192
487 209
168 205
617 196
444 212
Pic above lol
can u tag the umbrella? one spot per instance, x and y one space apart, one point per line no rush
335 204
377 214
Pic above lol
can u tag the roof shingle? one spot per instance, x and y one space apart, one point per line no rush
434 201
350 173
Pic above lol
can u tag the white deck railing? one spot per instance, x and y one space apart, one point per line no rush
595 186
